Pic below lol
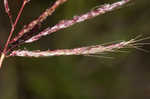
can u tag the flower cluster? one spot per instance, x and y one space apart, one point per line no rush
27 33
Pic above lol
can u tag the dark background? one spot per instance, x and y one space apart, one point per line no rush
126 76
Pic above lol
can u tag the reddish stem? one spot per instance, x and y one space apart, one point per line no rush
11 32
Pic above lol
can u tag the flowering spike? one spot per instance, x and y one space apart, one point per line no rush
89 50
39 20
77 19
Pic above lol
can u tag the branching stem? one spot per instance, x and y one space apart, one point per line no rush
11 32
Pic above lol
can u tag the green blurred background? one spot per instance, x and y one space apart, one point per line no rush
126 76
